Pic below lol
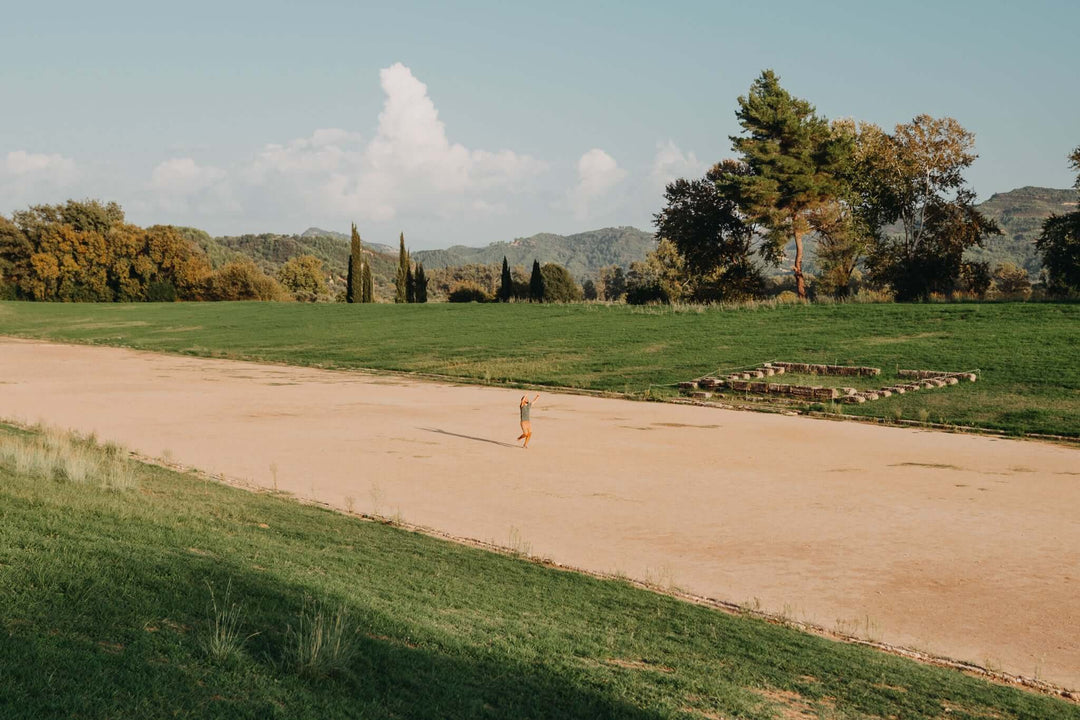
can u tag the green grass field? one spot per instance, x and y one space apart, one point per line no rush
110 573
1028 354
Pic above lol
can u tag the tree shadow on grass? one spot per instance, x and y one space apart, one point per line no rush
469 437
122 636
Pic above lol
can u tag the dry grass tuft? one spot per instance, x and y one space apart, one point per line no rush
67 457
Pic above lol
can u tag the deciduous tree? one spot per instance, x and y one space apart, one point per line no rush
559 285
706 230
915 177
1059 243
305 277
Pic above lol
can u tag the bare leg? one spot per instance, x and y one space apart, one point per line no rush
528 437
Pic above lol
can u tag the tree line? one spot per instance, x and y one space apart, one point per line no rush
897 204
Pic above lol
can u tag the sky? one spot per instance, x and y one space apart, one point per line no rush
475 122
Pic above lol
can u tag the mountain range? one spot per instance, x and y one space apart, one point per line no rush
1019 213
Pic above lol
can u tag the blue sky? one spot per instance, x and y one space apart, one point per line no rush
471 122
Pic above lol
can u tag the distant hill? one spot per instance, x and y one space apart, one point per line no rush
1020 214
582 253
314 232
270 251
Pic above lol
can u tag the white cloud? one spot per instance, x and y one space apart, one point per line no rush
598 173
29 178
672 163
184 176
53 168
180 185
408 167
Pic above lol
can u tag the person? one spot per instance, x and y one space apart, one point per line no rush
526 424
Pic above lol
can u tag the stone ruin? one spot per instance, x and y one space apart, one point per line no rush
754 381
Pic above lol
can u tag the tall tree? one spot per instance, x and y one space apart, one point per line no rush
410 285
536 283
368 285
706 229
506 284
915 177
401 280
303 276
353 288
1059 243
612 283
559 285
790 156
421 284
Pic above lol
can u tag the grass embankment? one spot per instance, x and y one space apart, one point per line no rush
1027 354
128 590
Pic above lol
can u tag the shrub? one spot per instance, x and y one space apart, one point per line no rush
787 296
469 292
242 280
161 291
559 285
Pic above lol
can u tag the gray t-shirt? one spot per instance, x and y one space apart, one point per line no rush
525 410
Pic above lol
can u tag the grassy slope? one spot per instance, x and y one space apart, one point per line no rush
1027 353
105 611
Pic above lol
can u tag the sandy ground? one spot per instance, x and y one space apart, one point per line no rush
967 547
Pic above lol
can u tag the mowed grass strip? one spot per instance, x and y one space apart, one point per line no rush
171 596
1028 354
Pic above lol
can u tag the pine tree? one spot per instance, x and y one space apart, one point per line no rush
368 285
536 283
421 284
410 285
353 281
790 155
402 272
506 287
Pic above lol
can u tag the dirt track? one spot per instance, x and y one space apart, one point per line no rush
962 546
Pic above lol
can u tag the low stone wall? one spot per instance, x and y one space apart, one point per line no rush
814 369
753 381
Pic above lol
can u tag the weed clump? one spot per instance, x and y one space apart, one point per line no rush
67 457
323 643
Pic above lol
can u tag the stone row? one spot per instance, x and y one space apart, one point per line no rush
817 369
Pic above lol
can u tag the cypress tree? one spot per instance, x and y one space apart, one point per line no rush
410 285
402 272
506 288
421 284
368 286
536 283
354 279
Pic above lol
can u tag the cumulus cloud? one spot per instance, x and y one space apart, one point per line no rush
409 166
671 163
181 185
28 178
598 173
55 167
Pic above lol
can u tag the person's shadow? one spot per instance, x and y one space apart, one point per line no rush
468 437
